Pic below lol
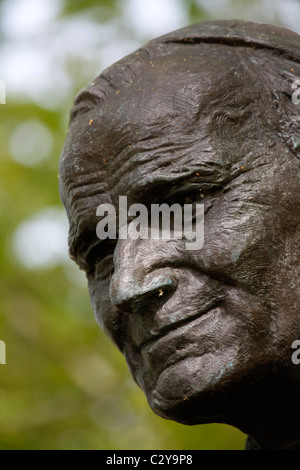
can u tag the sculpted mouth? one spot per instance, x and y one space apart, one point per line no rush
202 335
166 330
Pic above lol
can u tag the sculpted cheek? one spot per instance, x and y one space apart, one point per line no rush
228 241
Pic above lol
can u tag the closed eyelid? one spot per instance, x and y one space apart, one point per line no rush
150 185
193 192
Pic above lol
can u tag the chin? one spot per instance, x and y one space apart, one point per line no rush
209 389
195 390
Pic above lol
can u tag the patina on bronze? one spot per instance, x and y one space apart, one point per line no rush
203 113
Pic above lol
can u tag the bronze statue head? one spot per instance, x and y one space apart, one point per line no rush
201 115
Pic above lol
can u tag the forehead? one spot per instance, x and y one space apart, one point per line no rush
172 94
182 103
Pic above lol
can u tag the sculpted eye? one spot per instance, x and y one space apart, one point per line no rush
189 197
195 193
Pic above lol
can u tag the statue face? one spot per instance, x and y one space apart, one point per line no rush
197 328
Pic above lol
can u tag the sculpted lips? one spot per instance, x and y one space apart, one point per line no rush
195 337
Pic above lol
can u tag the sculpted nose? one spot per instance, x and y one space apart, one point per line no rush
131 294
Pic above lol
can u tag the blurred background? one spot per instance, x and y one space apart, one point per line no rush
64 386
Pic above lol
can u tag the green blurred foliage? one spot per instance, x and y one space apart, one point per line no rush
65 386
